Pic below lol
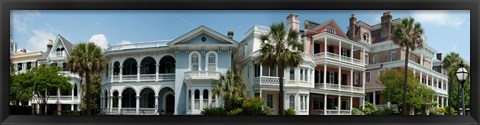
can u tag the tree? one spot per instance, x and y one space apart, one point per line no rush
86 59
448 62
407 34
419 95
455 96
34 84
94 92
230 86
281 49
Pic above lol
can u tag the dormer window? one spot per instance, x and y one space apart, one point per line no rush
366 37
331 30
59 52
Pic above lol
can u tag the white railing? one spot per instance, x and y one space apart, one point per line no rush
267 80
331 86
345 112
58 54
147 77
345 88
138 45
116 78
335 56
332 112
147 111
167 76
128 110
129 77
337 112
202 75
358 89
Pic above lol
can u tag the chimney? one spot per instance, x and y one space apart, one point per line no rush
23 51
439 56
49 44
352 27
386 25
292 22
230 34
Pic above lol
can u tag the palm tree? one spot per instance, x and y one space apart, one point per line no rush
449 63
230 86
407 34
86 59
281 49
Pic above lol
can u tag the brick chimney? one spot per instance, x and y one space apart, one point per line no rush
230 34
386 25
49 44
292 22
352 27
439 56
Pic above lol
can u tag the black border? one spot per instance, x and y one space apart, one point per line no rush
7 5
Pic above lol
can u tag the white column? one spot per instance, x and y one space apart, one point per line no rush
438 101
192 100
351 79
339 77
324 76
363 102
325 46
446 102
374 98
364 81
414 72
156 104
421 77
138 73
339 104
156 72
137 105
201 100
325 105
441 84
261 69
121 73
119 104
351 52
111 73
363 60
351 104
209 98
427 80
421 59
71 104
443 100
110 99
307 106
340 50
102 104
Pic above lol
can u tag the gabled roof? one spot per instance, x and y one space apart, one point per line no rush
200 30
68 46
311 24
336 27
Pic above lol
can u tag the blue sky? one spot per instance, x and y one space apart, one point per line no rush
446 31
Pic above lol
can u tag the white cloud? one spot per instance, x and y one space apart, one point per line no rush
21 18
100 40
38 42
437 17
125 42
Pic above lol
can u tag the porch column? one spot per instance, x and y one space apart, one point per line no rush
325 105
119 104
201 100
421 59
325 46
364 57
446 102
307 104
156 72
209 98
438 101
156 104
441 84
339 105
261 71
351 53
351 104
364 80
428 84
421 77
414 72
363 102
111 73
340 50
443 100
138 73
351 79
374 98
339 78
71 104
137 104
110 99
121 73
324 76
192 106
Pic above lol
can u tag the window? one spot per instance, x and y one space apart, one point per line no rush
270 101
189 99
393 56
19 66
345 52
366 37
301 102
306 75
211 61
292 74
375 59
367 77
292 102
366 58
301 74
29 65
205 98
197 99
331 30
257 70
331 76
195 62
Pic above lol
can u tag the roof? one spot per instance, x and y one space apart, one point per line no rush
66 43
311 24
203 29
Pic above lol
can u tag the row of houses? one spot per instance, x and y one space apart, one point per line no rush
175 77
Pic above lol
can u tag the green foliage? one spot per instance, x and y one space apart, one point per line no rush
451 64
356 111
441 110
369 108
94 92
230 86
213 111
238 111
452 110
418 94
289 112
433 112
385 111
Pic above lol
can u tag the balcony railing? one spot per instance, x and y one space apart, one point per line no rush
147 111
58 54
335 56
267 80
128 110
331 86
337 112
145 77
202 75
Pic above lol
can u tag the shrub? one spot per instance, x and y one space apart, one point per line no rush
441 110
433 112
213 111
369 108
289 112
385 111
254 106
356 111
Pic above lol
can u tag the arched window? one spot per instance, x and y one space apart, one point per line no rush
194 61
189 99
205 98
197 99
211 61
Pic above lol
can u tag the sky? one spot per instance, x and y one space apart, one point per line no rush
446 31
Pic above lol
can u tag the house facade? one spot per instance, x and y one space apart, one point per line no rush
173 77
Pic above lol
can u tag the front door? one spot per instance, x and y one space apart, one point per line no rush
170 104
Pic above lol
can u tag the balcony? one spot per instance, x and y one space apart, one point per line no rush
336 57
346 88
58 54
145 77
190 75
267 80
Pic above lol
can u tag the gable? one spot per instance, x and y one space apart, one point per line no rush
331 24
195 37
203 39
